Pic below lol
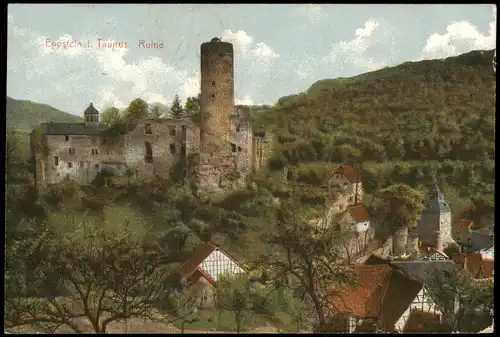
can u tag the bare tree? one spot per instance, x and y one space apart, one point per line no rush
98 277
306 259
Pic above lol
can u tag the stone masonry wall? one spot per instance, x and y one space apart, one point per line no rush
73 157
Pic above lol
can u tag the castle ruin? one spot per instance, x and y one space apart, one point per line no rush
219 154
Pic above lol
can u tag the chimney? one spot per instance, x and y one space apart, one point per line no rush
439 241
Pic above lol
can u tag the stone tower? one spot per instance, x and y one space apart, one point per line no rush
217 95
434 227
217 163
91 116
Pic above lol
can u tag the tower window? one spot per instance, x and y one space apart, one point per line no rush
70 165
172 148
56 161
66 138
71 151
148 158
233 147
147 129
213 82
183 149
172 131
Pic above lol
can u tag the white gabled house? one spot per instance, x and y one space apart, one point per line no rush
205 267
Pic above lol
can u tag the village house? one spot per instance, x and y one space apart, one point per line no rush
383 295
421 311
472 237
479 265
346 180
204 268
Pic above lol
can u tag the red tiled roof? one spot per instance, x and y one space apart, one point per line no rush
419 318
381 292
464 223
349 173
191 264
358 212
475 264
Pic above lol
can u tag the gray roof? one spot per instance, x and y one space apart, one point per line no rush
91 110
483 231
70 129
434 201
420 270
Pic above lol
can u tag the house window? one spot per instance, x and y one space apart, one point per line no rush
212 95
81 164
233 147
147 129
148 158
171 131
238 128
72 151
339 175
172 148
66 138
239 149
56 161
213 82
70 165
97 166
95 152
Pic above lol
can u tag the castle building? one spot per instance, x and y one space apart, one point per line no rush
219 154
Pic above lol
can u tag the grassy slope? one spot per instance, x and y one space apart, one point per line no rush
23 116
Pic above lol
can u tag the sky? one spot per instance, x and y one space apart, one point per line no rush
279 49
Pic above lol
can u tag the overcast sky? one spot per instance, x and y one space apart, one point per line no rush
279 49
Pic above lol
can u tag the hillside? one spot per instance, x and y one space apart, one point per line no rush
412 123
23 116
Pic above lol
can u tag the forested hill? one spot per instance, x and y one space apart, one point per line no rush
23 116
435 109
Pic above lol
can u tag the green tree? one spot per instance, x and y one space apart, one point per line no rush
110 116
192 108
16 164
136 111
466 305
89 274
482 211
304 260
403 205
157 111
241 297
176 109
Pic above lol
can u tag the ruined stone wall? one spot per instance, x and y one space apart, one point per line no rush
74 157
154 146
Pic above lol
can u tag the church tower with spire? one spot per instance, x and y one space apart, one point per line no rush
434 228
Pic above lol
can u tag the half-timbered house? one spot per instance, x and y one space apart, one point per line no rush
205 267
